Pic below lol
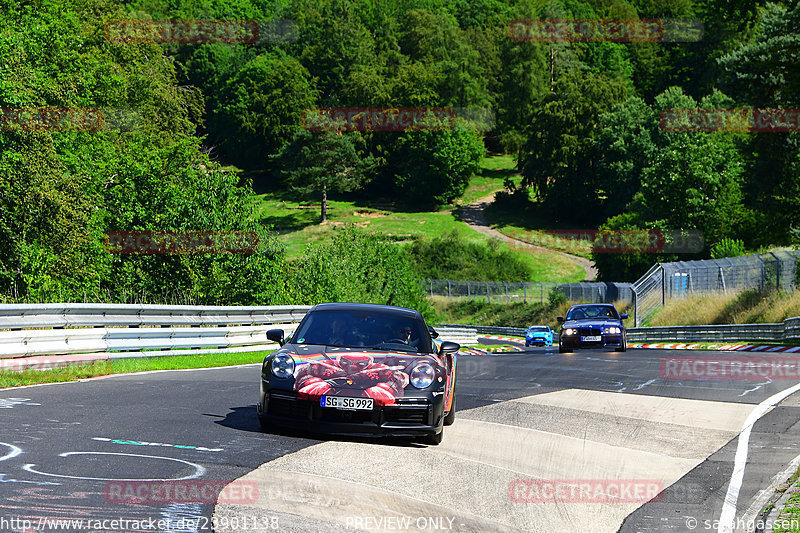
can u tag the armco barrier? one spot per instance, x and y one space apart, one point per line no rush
129 330
488 330
786 331
124 330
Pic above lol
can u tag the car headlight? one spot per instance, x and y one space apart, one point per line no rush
570 331
422 376
282 366
613 329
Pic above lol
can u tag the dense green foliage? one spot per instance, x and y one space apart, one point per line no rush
582 118
357 267
449 256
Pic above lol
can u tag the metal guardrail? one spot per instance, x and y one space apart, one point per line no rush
788 330
71 315
488 330
123 330
131 330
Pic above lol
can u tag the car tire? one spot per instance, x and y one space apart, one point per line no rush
263 423
451 416
624 346
562 349
434 440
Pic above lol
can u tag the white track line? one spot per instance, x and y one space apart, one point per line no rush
726 519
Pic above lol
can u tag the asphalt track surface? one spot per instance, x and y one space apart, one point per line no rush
591 416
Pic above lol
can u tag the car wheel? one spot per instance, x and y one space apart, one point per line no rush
263 423
451 416
434 439
563 349
624 346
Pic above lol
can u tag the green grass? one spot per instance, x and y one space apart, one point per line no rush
494 170
789 516
747 307
126 366
298 223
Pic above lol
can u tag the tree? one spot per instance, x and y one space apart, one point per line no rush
556 159
262 107
324 162
358 267
764 74
434 167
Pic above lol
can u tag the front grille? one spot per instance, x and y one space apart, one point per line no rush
280 406
590 331
406 415
286 405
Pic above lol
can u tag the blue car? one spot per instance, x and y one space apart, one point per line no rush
539 335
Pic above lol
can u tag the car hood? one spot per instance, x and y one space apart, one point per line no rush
378 374
592 323
538 333
304 353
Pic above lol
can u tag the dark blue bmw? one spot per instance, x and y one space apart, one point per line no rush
592 326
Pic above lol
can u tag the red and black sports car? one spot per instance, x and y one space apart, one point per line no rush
360 369
592 326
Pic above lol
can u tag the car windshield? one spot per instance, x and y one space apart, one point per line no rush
589 312
363 329
538 329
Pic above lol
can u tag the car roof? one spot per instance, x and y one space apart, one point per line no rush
385 309
592 305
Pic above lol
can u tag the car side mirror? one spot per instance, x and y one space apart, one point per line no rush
276 335
434 334
560 318
449 348
623 316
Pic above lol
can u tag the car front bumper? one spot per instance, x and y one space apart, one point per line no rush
409 417
541 341
607 341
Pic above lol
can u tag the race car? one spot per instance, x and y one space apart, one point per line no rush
539 335
592 326
360 369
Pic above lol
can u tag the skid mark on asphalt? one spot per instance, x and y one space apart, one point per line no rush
564 435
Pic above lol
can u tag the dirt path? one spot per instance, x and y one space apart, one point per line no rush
475 217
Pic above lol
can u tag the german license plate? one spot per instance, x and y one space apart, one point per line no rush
347 404
592 338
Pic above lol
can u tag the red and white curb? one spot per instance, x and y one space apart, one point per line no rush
720 347
502 338
475 351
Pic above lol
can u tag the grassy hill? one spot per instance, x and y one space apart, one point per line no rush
297 221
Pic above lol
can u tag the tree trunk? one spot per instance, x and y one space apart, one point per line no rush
324 203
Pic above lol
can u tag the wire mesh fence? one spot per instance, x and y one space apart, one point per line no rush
508 292
666 281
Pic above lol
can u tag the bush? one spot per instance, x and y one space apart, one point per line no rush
450 256
556 297
728 248
358 267
434 167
